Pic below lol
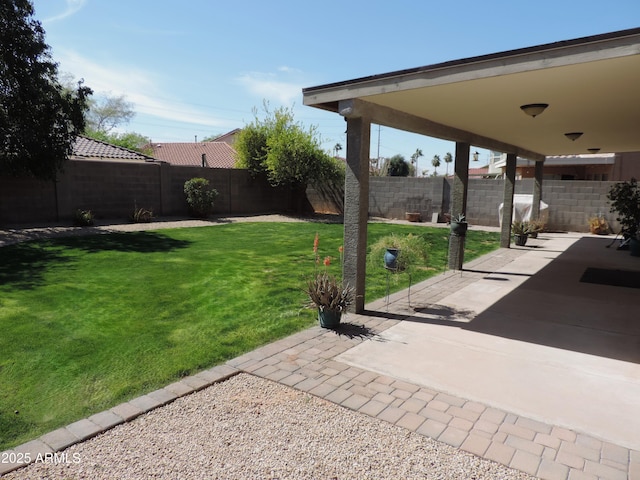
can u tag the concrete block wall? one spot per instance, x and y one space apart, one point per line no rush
392 197
108 189
114 189
238 191
483 200
572 203
25 200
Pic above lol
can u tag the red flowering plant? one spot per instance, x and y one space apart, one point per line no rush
325 291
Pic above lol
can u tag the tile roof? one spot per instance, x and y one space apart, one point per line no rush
228 137
219 154
478 172
88 148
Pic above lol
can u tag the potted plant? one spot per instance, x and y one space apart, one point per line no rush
330 296
399 253
625 200
520 230
412 216
459 225
598 225
535 226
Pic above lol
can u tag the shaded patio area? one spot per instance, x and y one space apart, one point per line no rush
531 337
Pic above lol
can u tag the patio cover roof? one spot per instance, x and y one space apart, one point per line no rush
591 84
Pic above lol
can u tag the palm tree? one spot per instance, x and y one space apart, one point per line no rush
414 160
336 149
436 163
448 158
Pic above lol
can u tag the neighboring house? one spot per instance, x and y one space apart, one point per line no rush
85 148
228 138
600 166
482 172
198 154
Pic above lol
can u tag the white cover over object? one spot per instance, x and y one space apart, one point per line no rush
522 204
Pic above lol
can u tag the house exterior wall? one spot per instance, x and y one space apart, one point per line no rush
627 166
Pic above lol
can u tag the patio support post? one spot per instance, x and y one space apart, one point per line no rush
507 200
356 207
537 190
459 203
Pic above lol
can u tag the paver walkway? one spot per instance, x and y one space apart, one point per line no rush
310 361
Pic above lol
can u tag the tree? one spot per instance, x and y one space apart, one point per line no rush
284 151
414 159
39 118
448 158
436 163
398 167
109 112
131 140
336 149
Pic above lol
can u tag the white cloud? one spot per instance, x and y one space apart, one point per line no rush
267 86
286 69
140 87
72 6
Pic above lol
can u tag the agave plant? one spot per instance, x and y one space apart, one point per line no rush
327 292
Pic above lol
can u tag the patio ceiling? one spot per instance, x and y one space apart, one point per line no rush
592 85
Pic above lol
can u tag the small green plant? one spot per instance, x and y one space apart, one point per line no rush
200 197
142 215
460 218
413 251
83 218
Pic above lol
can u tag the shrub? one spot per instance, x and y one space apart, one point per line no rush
142 215
83 218
625 201
200 197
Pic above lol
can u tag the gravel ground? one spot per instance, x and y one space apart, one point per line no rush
251 428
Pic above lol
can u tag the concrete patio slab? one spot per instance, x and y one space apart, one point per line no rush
548 349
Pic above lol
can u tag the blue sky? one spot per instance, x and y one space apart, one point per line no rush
199 67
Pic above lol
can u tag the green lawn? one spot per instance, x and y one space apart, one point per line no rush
89 322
